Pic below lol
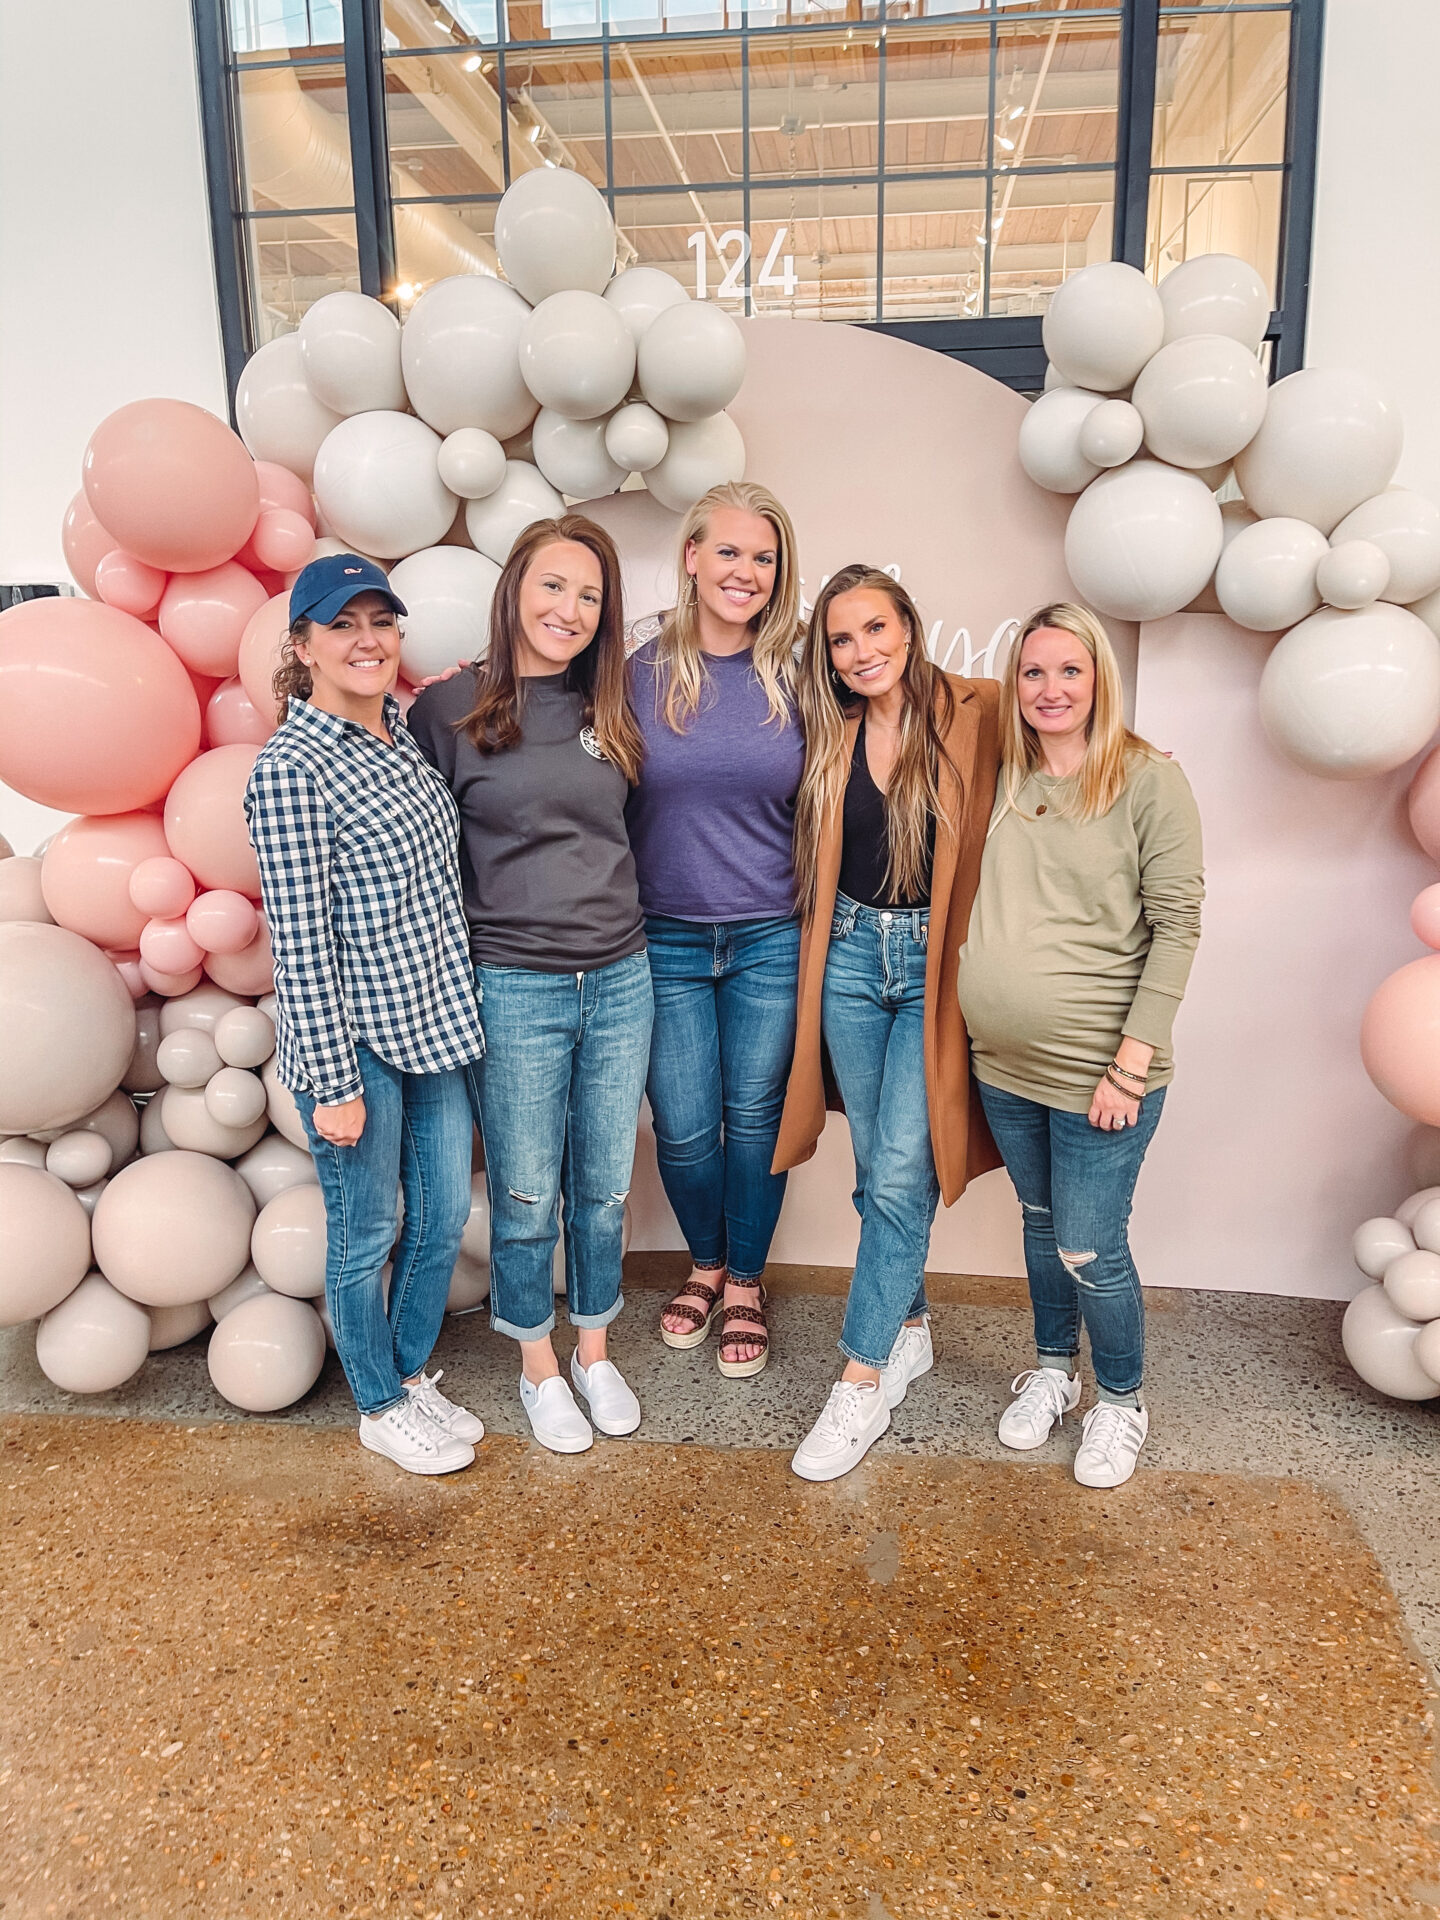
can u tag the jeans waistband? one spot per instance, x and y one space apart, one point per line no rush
853 914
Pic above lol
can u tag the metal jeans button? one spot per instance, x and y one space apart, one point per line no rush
886 918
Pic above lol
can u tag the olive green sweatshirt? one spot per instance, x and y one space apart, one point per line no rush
1082 931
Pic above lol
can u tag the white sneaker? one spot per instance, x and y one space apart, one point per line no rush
555 1420
447 1416
1110 1445
912 1354
1045 1396
613 1407
853 1419
407 1435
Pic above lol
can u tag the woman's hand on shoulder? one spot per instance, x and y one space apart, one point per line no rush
438 679
341 1125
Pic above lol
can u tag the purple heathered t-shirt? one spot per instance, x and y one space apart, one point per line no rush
712 817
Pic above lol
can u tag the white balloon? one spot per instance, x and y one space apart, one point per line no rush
1412 1281
1111 434
21 1151
1049 444
460 354
1380 1345
1377 1242
245 1286
1408 1212
636 437
1330 439
267 1353
118 1121
153 1137
96 1339
190 1125
245 1037
701 454
469 1287
1425 1230
1353 573
350 350
1427 1350
571 454
523 497
1406 528
44 1242
448 592
1234 517
78 1158
1142 540
188 1058
273 1164
1202 399
1216 293
640 293
1353 694
475 1237
554 233
691 361
1102 325
173 1326
471 463
234 1097
577 355
377 481
278 416
1427 610
1266 576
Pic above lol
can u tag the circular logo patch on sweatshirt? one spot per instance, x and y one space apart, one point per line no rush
591 745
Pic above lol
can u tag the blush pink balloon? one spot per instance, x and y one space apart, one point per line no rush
84 542
282 540
127 583
279 487
222 922
1424 804
1425 916
203 616
167 946
86 873
161 888
1400 1039
96 713
173 484
126 962
169 985
231 719
205 820
260 651
251 971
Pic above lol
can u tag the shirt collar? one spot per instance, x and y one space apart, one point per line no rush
330 727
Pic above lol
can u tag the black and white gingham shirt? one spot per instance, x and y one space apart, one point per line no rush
359 870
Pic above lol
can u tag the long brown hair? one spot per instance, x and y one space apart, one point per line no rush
776 627
912 794
597 673
292 676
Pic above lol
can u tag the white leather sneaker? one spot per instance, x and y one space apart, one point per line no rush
1045 1396
852 1420
912 1354
555 1420
1111 1443
613 1407
445 1413
407 1435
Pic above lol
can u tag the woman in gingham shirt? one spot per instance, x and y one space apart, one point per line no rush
356 838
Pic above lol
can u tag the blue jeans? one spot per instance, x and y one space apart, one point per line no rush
873 1018
1075 1184
558 1098
724 1037
417 1132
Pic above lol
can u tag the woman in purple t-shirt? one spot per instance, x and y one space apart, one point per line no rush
711 825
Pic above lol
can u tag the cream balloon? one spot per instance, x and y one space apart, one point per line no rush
1354 573
350 353
448 591
245 1286
1412 1281
95 1340
21 895
153 1137
75 1039
245 1037
1265 579
44 1242
203 1010
475 1236
469 1287
639 294
1329 440
267 1353
1425 1230
1142 540
1377 1242
1406 528
523 497
636 437
554 234
173 1228
118 1124
1049 444
23 1151
1235 516
191 1125
1102 325
1408 1210
1202 399
188 1058
573 456
577 356
1349 695
272 1165
173 1326
701 454
1110 434
460 354
287 1243
1215 293
280 1105
278 416
471 463
377 482
1379 1343
79 1159
691 361
89 1196
234 1097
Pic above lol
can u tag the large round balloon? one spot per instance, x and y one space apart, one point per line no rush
1235 516
1400 1039
84 542
378 484
640 293
190 1123
203 615
1349 695
1215 293
86 875
96 713
448 592
272 1166
577 355
1379 1343
172 483
260 654
288 1242
44 1242
1202 399
523 497
173 1228
554 233
1049 445
251 971
1330 439
1142 540
636 437
93 1341
267 1353
1265 579
205 820
460 351
691 361
233 720
69 1029
350 353
1102 325
572 455
1423 802
1406 528
279 418
701 454
131 585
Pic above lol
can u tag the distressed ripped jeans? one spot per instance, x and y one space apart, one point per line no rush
1076 1183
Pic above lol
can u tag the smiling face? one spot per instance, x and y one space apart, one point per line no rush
562 597
733 566
869 641
355 658
1056 684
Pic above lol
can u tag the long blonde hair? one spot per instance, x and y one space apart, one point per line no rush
1109 744
678 656
912 793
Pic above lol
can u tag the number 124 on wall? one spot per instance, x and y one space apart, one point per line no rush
730 287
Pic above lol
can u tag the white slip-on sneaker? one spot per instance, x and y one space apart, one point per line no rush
613 1407
449 1417
912 1354
555 1420
1045 1396
407 1435
852 1420
1110 1445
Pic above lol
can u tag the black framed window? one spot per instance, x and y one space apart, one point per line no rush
935 168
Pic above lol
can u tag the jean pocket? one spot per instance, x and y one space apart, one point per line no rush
841 926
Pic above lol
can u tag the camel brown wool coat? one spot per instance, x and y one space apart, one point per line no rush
958 1134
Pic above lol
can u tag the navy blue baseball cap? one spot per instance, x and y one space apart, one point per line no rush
328 584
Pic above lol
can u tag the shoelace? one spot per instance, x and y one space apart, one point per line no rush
842 1411
419 1426
427 1392
1039 1393
1107 1428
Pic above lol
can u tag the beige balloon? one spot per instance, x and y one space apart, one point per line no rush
89 1197
245 1286
143 1075
1412 1281
245 1037
1425 1225
287 1243
267 1353
272 1165
95 1340
191 1125
1379 1343
173 1326
173 1228
153 1137
1354 573
79 1159
20 895
1405 525
187 1057
44 1242
235 1098
23 1151
1427 1350
1405 1213
204 1007
280 1104
1377 1242
118 1122
69 1050
469 1286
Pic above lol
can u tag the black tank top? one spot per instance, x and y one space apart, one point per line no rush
865 850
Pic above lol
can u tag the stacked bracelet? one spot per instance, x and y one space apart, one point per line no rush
1120 1087
1125 1073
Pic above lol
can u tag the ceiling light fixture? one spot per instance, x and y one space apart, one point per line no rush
472 64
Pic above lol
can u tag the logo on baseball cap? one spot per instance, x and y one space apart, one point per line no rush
328 584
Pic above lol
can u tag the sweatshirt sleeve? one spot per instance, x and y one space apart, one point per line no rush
1167 826
432 731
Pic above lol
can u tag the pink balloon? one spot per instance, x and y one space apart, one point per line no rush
231 719
173 484
282 539
127 583
203 615
85 543
96 713
222 922
86 873
260 651
251 971
1400 1039
1425 916
161 889
169 985
126 962
168 947
205 820
1424 804
279 487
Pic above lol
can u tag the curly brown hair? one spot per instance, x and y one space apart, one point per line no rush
292 676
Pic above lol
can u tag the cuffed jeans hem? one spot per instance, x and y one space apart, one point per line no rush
523 1333
374 1413
1060 1360
862 1359
1104 1386
707 1265
744 1279
590 1322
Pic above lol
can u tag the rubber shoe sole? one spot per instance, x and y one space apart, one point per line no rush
841 1463
451 1458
